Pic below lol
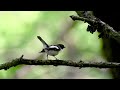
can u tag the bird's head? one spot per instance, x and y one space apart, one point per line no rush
61 46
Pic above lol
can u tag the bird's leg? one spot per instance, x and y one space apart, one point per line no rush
55 58
47 56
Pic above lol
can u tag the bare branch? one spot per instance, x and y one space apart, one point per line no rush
79 64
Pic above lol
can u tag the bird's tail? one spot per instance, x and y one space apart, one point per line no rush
43 42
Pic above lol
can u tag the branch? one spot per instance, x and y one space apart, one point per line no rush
80 64
102 27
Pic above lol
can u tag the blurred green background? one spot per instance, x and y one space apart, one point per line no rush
18 35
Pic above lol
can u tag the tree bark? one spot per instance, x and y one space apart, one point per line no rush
111 47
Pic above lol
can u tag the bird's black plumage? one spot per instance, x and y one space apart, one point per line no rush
52 50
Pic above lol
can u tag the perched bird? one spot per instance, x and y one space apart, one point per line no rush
51 50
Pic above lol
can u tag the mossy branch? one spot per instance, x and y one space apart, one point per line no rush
100 26
80 64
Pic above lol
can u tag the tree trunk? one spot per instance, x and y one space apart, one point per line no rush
111 47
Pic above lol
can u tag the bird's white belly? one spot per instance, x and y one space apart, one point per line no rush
52 53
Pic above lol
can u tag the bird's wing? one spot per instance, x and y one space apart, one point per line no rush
54 47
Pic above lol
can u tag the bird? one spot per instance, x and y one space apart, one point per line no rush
51 50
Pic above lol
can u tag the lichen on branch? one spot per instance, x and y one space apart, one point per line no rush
80 64
95 24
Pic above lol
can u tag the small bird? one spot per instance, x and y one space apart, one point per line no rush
51 50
